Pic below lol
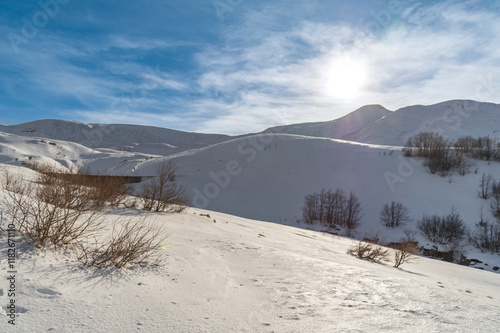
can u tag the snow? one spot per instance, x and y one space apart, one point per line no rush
251 267
156 140
240 275
337 128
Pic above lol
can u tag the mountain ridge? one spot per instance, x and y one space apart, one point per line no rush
372 124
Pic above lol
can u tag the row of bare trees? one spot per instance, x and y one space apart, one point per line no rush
443 155
438 152
332 209
486 234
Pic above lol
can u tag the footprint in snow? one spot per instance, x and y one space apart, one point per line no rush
19 309
47 291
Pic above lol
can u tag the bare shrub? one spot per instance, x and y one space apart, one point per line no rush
52 213
162 194
495 199
486 235
99 190
56 211
426 144
442 229
465 144
371 251
405 252
107 190
130 242
394 215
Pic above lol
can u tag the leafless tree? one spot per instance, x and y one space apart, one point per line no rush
352 212
485 186
395 214
311 208
332 209
443 229
162 193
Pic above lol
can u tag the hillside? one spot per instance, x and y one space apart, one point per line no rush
337 128
239 275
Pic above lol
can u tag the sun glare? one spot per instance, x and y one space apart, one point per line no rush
345 78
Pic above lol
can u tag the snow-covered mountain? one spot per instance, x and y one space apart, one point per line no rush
144 139
452 119
337 128
377 125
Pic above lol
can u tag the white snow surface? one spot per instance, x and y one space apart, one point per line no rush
146 139
240 275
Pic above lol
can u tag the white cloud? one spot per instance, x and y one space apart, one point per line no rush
439 52
265 74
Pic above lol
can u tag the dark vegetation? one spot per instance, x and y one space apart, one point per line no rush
333 209
442 155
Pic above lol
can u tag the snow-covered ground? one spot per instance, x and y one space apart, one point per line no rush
255 268
240 275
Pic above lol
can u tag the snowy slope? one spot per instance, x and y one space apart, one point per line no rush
239 275
270 184
337 128
266 177
16 150
143 139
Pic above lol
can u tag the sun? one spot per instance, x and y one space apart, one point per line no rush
345 78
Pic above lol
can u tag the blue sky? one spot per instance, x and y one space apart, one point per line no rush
240 66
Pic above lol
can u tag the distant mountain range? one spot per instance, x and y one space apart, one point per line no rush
369 124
